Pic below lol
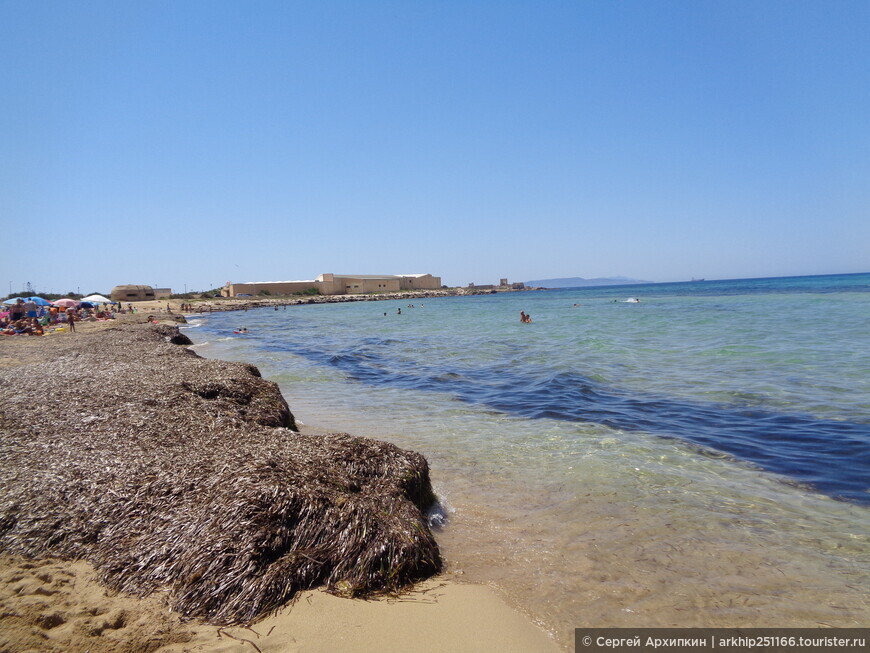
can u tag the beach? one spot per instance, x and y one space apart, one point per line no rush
55 605
694 459
575 488
133 539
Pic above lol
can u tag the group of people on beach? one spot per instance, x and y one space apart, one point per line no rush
28 326
27 318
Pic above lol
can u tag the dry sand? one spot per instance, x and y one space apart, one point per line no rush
56 605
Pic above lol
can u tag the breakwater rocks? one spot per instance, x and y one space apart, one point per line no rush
171 472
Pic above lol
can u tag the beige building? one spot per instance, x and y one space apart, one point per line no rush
131 293
336 284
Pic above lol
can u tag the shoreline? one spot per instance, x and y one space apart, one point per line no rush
602 528
216 305
44 599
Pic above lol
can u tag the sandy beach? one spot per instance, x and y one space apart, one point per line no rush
55 605
63 603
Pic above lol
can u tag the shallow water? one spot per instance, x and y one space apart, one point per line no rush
697 458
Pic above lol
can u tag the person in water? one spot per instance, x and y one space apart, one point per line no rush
527 319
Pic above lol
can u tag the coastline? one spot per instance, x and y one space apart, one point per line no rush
579 524
51 603
215 305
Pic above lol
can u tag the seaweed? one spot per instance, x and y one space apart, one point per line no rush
176 473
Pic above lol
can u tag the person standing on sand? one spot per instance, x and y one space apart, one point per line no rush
71 320
30 308
17 311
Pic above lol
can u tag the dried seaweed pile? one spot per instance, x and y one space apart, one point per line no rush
168 471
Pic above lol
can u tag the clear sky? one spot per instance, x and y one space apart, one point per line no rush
188 143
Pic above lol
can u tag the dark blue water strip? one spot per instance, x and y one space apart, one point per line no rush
828 455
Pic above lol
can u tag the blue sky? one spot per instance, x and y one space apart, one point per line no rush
190 143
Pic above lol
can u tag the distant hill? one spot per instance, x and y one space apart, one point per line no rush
576 282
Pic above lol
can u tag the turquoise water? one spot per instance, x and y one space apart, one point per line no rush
698 457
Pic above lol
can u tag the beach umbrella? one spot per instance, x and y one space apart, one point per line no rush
86 305
39 301
12 300
96 299
66 302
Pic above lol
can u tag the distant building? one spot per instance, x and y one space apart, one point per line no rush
131 293
336 284
502 284
162 293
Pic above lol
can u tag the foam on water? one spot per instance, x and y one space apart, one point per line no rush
614 463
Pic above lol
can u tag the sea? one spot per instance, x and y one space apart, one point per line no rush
672 454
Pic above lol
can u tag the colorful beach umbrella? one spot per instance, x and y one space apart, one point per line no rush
66 302
13 300
39 301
